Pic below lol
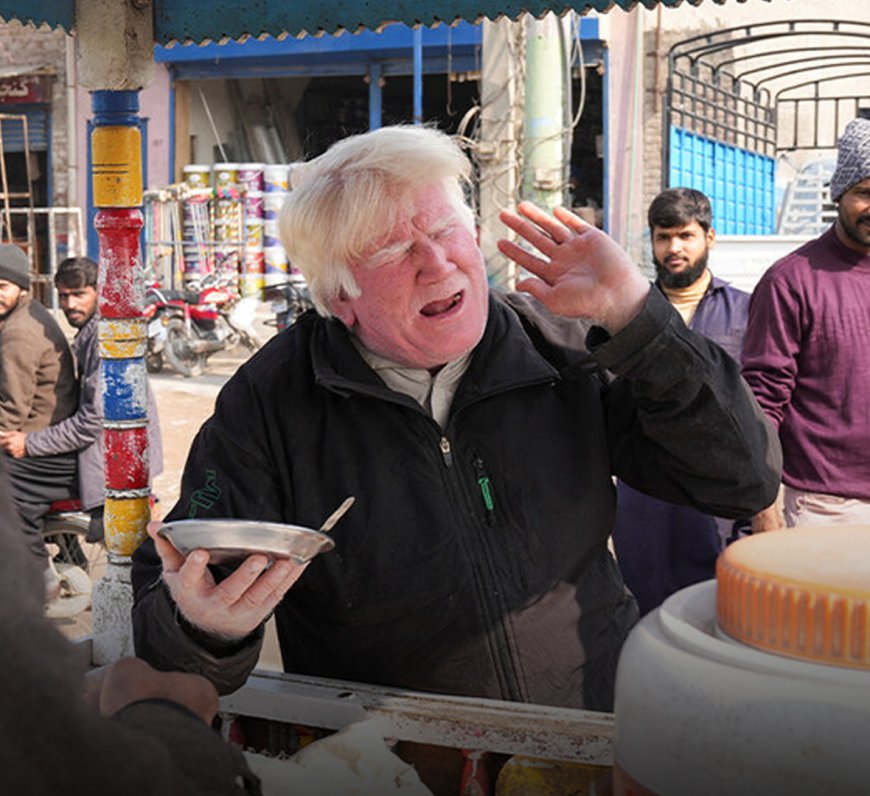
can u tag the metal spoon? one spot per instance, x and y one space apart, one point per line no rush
336 515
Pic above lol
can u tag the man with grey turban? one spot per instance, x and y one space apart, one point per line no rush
806 356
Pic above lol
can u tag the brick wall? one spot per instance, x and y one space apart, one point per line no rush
23 45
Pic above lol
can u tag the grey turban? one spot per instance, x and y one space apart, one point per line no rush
853 157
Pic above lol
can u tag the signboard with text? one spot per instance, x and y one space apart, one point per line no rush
24 89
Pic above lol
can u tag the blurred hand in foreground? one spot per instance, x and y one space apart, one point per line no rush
132 680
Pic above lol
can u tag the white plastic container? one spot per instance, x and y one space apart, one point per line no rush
698 712
276 177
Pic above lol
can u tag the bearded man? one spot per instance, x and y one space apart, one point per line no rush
662 547
37 378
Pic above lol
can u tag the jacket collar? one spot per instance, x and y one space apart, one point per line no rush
504 359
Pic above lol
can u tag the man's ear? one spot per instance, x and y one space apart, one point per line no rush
711 237
342 308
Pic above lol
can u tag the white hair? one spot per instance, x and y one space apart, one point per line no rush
344 201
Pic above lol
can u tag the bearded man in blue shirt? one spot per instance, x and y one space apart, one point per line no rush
662 547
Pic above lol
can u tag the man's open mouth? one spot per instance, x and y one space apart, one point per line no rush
440 307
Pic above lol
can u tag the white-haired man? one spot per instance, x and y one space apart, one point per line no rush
477 431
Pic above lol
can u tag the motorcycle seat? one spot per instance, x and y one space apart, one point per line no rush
187 296
70 504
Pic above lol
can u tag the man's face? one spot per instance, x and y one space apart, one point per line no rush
853 217
77 303
9 295
424 298
680 253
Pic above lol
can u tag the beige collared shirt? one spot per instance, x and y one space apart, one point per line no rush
433 393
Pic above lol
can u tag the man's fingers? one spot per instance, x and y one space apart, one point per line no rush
572 220
536 288
521 257
171 558
271 587
230 590
193 571
530 232
554 226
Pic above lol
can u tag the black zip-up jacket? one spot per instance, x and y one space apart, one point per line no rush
475 559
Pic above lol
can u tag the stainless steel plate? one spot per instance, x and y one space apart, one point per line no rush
231 541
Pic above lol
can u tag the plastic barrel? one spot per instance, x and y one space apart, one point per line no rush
253 204
276 177
250 176
197 176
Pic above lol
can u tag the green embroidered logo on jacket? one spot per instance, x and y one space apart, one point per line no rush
206 496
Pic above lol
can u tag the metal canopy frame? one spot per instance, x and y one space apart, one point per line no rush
741 102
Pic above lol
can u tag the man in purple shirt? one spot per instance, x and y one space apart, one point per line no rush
662 547
805 355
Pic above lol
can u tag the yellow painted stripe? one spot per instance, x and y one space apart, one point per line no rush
121 328
125 522
117 166
122 339
122 349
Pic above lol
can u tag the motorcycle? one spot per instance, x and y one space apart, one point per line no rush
186 327
288 301
65 527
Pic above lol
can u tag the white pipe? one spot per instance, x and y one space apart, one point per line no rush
636 133
72 146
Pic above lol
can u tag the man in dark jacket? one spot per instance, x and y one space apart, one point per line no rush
477 431
662 547
140 733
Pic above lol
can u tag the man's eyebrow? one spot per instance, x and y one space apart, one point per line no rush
388 252
447 220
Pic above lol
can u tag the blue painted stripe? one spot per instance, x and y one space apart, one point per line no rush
124 391
115 108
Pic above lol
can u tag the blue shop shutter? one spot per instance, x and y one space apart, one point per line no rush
739 183
13 129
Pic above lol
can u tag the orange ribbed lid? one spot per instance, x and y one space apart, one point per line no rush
801 592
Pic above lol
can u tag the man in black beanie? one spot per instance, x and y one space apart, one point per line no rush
37 377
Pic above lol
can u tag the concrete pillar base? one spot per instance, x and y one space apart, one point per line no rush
112 602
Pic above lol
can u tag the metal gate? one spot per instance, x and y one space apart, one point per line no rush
739 99
721 139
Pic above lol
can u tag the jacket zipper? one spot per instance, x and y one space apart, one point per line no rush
485 491
491 605
446 452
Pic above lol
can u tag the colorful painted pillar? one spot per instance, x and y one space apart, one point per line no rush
117 190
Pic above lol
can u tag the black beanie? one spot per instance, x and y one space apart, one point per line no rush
14 266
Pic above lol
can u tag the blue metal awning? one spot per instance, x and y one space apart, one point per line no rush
344 54
220 20
454 48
